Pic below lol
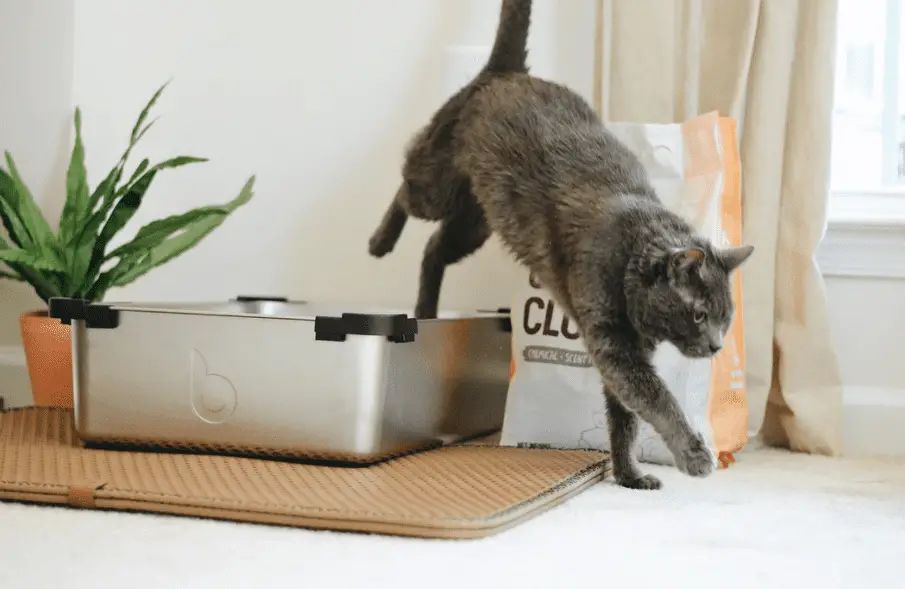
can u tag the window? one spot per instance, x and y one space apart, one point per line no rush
866 209
869 116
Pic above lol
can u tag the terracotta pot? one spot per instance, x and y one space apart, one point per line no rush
48 353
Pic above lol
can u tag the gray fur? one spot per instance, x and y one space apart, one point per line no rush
530 160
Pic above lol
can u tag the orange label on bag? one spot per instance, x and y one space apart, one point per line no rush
728 401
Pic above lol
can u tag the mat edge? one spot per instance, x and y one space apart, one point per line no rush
451 531
592 468
596 471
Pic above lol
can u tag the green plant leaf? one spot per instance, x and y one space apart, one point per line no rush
142 260
8 275
139 170
29 213
10 212
193 233
11 276
76 207
82 247
127 206
44 285
155 232
83 244
179 161
106 194
108 188
31 259
89 251
136 130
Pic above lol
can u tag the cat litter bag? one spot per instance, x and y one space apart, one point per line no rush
555 392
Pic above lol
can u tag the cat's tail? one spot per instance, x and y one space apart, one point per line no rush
510 48
387 234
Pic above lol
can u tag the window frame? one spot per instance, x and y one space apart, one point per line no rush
880 206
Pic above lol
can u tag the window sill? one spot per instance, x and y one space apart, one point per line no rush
865 235
870 209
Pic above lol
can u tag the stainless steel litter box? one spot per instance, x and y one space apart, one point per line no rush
266 376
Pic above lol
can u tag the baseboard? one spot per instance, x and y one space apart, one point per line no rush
12 356
15 387
874 417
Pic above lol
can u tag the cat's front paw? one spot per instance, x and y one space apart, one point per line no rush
647 482
696 459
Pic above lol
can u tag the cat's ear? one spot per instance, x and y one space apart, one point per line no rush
735 256
681 261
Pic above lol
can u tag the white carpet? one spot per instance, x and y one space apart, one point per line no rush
772 520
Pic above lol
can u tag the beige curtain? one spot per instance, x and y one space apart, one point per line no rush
769 64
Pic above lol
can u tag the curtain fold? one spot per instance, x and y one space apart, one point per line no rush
769 64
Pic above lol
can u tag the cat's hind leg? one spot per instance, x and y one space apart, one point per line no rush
458 236
384 238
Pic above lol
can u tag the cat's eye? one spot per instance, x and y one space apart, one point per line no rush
699 317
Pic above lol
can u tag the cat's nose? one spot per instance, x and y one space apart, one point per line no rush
716 341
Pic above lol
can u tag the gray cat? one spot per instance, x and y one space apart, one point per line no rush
530 160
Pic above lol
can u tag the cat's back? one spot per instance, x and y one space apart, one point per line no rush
437 135
544 133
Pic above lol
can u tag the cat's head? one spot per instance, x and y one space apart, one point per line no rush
688 302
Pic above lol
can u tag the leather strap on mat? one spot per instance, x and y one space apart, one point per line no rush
460 491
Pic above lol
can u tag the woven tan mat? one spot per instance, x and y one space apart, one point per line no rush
462 491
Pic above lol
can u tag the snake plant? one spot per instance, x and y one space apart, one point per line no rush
74 261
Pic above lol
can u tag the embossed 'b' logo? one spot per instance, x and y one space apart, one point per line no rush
213 396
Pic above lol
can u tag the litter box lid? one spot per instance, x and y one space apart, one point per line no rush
331 319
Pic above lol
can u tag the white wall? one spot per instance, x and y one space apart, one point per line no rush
869 323
317 98
35 116
868 314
